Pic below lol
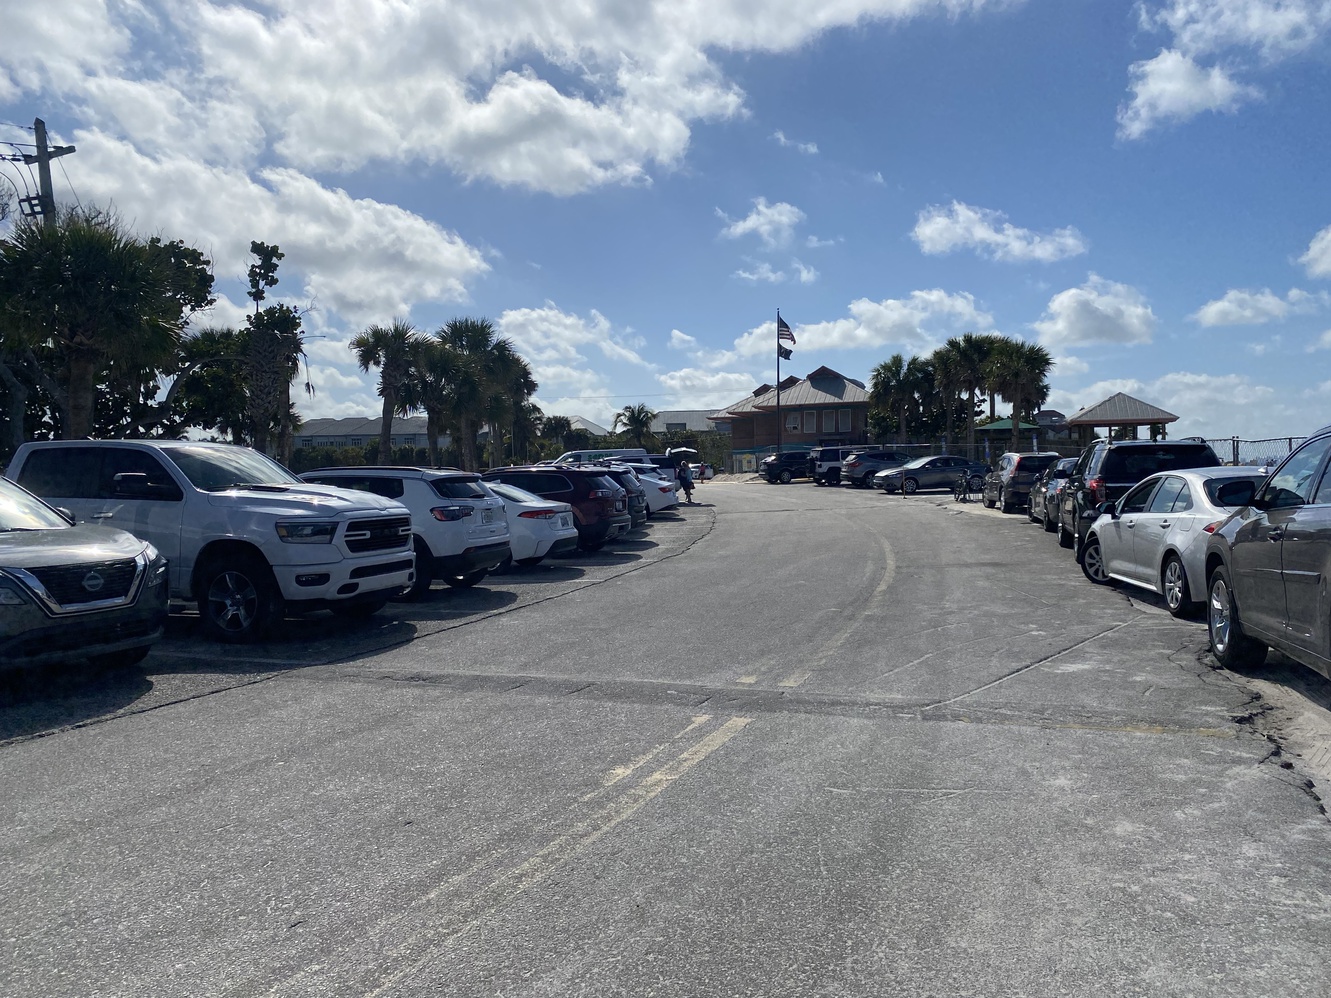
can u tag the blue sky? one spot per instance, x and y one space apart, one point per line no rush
631 189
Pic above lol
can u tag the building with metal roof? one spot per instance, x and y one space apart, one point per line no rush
824 408
1122 412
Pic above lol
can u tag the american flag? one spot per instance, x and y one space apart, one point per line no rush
783 331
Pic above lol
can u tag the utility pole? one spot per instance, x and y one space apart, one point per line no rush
42 159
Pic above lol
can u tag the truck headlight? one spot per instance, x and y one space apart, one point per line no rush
307 531
157 567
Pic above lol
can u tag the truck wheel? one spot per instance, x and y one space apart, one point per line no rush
239 601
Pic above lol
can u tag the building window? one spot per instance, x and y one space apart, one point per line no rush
793 422
810 421
356 442
306 442
676 427
843 419
392 441
829 420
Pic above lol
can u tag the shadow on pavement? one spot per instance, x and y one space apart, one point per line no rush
56 696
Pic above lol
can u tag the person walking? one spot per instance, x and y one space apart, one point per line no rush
686 481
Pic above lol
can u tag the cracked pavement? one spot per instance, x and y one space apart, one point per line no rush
793 741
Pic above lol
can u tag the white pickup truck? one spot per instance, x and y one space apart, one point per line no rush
246 540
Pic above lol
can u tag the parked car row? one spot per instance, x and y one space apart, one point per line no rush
1252 546
96 536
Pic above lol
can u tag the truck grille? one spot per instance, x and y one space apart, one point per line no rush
388 534
72 585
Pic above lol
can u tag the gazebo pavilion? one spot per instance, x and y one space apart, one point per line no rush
1121 412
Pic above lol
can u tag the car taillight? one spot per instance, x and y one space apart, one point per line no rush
852 464
600 494
1096 487
665 488
447 514
1210 528
537 514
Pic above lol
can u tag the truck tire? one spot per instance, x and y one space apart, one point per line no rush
239 601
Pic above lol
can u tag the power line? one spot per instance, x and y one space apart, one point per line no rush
71 184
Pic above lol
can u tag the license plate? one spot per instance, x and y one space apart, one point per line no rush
564 520
487 515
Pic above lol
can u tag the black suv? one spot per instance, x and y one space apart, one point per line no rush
785 466
1108 468
600 505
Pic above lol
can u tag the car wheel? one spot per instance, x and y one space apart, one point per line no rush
125 659
239 599
1231 647
528 562
362 608
988 503
1093 562
1049 525
910 486
424 572
976 483
1064 538
786 476
1030 513
1174 584
1005 503
465 581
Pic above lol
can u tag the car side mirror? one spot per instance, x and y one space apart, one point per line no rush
66 514
1108 507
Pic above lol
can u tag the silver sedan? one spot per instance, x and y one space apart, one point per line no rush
1155 536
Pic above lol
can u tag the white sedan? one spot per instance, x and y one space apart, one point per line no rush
661 491
537 527
1155 536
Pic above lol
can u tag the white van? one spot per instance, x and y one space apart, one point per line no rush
592 456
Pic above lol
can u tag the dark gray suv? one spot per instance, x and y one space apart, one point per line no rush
1267 566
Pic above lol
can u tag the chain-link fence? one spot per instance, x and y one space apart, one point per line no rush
1270 451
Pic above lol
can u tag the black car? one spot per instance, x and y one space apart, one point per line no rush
1108 468
785 466
1042 505
637 496
1009 484
600 504
1267 566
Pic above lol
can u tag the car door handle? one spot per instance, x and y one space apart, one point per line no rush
1275 533
101 516
1164 524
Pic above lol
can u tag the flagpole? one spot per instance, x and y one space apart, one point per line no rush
778 381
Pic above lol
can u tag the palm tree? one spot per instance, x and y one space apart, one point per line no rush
558 428
636 420
430 388
946 385
510 383
84 288
389 348
969 354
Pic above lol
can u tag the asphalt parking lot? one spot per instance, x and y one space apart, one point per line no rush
810 741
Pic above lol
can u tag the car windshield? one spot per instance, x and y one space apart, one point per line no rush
213 468
919 462
513 493
1035 465
1135 463
21 510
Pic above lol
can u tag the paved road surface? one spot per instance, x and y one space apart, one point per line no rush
797 742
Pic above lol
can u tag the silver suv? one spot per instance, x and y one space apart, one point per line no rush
459 527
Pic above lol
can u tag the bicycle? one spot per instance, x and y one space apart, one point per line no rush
961 488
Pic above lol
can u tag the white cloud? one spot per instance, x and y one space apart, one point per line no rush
1235 36
365 260
918 323
681 341
762 272
877 178
806 275
1212 406
808 148
58 46
1171 88
1099 311
696 389
1317 260
813 242
1067 366
773 224
942 230
1253 308
553 342
1322 342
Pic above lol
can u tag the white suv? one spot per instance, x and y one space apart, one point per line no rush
245 538
461 528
